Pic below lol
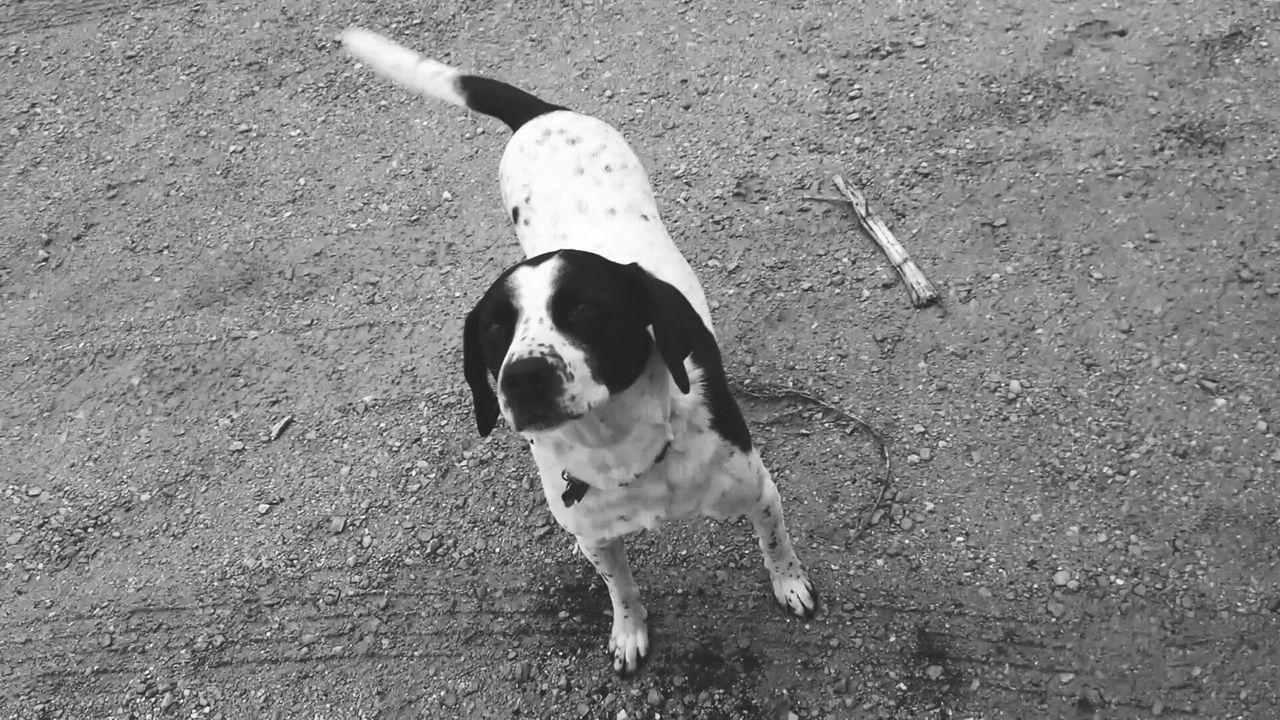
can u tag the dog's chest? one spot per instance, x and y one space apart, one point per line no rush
677 487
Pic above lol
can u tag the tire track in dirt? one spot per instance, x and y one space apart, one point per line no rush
34 15
112 656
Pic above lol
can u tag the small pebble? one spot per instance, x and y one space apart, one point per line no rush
1061 578
337 524
654 698
263 508
933 671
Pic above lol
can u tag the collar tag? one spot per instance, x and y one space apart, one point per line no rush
576 490
663 454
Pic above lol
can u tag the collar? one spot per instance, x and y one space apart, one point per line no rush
578 488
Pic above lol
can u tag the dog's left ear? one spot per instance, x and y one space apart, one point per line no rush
477 374
676 325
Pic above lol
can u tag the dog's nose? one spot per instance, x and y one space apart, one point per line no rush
528 377
532 387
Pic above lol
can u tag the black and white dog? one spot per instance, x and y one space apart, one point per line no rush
601 346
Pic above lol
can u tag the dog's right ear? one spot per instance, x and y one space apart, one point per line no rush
676 325
476 372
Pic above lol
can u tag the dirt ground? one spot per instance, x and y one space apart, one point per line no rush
240 475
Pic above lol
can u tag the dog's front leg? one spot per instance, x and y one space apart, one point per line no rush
791 586
748 489
629 640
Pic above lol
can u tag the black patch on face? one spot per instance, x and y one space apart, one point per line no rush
599 306
636 296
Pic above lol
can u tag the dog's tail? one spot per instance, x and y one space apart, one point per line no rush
509 104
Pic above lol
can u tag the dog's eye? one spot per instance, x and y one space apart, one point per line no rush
497 329
583 312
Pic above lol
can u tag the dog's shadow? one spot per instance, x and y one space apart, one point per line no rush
701 663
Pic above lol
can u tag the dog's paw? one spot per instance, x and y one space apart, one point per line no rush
628 643
795 594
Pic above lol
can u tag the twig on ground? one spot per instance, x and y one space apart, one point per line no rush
778 393
918 286
281 426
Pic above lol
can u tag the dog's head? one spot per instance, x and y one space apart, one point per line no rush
563 332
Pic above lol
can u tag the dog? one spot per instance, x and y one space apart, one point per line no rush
600 346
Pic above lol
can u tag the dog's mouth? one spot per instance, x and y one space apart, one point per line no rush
541 420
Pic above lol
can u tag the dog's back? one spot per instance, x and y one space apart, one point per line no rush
568 181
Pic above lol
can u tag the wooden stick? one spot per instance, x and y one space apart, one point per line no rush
918 286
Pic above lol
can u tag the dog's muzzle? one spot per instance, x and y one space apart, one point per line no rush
533 388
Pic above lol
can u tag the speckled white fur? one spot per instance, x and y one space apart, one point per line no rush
578 185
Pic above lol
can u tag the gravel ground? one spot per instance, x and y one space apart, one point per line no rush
240 474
